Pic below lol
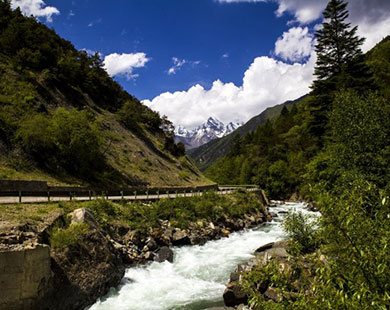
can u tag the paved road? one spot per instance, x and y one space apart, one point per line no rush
12 200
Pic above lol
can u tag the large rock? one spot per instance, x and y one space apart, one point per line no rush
164 254
82 215
180 237
234 295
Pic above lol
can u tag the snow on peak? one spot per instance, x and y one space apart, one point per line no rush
211 129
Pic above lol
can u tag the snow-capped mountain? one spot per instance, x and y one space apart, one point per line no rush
211 129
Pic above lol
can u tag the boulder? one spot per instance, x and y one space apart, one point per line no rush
265 247
180 237
82 215
234 296
163 254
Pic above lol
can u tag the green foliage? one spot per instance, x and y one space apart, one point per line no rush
302 232
62 238
69 138
274 156
337 45
134 113
181 211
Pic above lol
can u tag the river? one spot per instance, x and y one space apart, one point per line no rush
196 279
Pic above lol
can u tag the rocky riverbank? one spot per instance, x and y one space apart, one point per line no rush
76 275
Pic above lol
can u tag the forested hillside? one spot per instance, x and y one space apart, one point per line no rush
63 119
287 154
207 154
332 148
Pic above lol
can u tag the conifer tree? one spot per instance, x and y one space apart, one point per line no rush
337 44
340 65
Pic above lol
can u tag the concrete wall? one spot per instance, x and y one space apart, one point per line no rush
24 277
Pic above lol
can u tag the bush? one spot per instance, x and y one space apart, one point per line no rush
63 238
69 138
302 232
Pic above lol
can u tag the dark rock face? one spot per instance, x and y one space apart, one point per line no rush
265 247
234 296
164 254
83 272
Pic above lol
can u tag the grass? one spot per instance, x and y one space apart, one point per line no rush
181 212
62 238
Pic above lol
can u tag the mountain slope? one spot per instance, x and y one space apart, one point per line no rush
205 155
210 130
64 120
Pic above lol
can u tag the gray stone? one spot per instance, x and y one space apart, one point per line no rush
82 215
164 254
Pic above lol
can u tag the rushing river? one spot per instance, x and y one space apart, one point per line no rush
196 279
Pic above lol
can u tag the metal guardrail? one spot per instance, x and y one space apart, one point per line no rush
137 193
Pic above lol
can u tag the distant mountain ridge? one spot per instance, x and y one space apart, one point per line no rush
205 155
208 131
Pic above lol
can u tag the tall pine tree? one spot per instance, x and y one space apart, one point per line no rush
337 44
340 64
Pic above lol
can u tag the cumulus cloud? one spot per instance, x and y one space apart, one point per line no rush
294 45
372 16
124 64
36 8
266 82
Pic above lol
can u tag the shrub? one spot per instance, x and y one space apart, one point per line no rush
302 232
64 238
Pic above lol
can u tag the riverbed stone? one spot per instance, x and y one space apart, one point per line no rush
180 237
234 295
164 254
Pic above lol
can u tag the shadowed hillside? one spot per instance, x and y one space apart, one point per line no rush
63 119
208 153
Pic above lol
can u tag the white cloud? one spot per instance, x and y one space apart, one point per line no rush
178 63
36 8
124 64
372 16
294 45
226 55
266 82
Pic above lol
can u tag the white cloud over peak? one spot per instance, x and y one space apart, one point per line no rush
37 8
124 64
294 45
266 82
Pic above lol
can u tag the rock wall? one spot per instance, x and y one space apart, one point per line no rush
24 276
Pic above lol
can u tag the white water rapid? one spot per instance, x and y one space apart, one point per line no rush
196 279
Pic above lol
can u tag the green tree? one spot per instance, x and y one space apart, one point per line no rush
340 65
337 45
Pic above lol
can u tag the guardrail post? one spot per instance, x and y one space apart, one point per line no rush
20 196
184 193
135 195
106 195
89 195
168 193
158 194
147 195
70 196
48 196
176 194
122 195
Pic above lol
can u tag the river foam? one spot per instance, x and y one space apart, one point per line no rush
196 279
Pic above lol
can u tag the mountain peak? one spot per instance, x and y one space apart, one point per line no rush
209 130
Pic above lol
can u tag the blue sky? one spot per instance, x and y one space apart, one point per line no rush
224 39
191 59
